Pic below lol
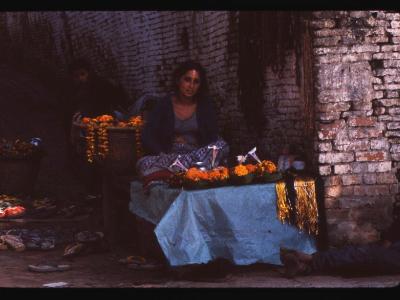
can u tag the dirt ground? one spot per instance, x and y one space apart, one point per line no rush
102 270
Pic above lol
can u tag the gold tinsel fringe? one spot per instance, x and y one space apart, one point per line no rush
282 202
306 204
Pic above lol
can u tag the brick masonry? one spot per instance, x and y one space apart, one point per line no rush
356 81
356 57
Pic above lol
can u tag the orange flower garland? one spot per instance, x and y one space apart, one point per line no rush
137 123
101 123
90 139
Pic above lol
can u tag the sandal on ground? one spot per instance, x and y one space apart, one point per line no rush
146 267
48 268
88 236
73 249
133 260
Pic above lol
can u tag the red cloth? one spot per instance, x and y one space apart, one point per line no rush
159 175
12 211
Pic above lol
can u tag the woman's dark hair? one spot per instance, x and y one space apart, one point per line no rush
80 63
187 66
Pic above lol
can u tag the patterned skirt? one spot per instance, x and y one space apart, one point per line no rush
188 157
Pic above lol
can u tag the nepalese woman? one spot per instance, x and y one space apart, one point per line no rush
183 125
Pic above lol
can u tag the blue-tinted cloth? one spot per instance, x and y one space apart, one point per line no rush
236 223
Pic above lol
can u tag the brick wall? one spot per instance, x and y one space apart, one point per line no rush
283 109
356 58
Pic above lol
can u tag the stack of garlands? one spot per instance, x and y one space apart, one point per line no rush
101 123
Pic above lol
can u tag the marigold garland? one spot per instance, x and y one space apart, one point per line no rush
90 140
137 123
103 148
101 123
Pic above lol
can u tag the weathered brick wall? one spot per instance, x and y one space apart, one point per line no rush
357 61
283 109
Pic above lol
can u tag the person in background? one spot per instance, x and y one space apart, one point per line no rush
183 125
382 257
287 157
88 95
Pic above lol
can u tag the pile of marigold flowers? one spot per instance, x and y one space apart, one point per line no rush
255 170
216 174
266 166
97 131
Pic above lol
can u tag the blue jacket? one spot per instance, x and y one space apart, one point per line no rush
158 131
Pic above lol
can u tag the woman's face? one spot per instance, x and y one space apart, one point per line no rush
189 83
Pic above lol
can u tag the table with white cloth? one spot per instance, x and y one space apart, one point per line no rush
238 223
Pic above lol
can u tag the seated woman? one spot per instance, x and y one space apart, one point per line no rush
181 126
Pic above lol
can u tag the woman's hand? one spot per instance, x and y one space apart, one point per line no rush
77 116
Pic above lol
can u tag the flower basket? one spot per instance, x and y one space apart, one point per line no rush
271 177
241 180
195 185
219 183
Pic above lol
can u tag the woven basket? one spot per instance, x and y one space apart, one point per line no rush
18 176
122 146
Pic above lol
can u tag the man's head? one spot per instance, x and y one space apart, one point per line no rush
80 70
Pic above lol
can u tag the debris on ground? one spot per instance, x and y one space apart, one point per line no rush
141 263
11 206
86 242
56 284
37 239
13 241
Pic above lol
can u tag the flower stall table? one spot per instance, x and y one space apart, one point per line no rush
238 223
